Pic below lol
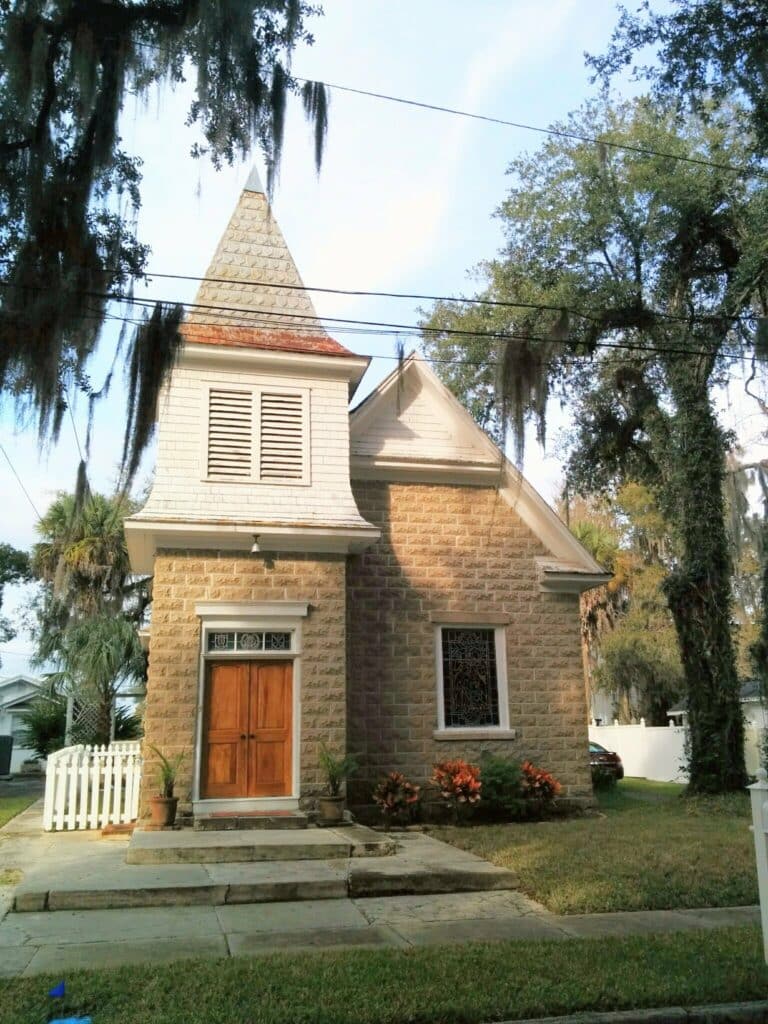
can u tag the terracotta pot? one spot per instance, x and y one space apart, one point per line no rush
163 810
331 808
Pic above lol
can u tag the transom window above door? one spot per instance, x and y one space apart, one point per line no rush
472 684
256 434
248 641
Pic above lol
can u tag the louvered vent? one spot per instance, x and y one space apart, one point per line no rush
282 436
230 433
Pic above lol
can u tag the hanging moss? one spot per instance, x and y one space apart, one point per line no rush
154 349
64 250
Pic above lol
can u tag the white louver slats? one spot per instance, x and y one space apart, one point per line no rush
230 434
282 436
259 435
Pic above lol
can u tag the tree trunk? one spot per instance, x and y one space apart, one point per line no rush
699 587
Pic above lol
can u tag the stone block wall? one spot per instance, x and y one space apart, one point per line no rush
447 549
183 578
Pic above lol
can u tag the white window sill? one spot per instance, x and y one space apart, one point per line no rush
489 733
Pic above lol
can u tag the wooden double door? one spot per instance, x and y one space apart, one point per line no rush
248 730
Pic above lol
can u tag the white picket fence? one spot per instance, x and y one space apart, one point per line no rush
759 794
90 787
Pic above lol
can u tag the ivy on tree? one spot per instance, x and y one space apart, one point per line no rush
69 192
663 256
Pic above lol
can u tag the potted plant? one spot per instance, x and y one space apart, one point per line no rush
337 770
163 806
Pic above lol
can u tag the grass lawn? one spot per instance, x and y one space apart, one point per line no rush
10 806
454 985
652 850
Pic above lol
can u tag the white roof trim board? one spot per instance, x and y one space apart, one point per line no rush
476 459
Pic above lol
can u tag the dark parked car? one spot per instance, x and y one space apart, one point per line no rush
605 762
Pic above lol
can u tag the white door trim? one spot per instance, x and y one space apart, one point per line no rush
255 620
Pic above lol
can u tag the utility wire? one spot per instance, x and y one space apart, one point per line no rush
558 132
268 320
396 328
20 482
341 324
264 320
475 301
74 425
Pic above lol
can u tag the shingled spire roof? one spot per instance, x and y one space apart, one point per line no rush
245 283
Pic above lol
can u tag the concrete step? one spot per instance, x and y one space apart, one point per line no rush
181 885
187 886
239 846
252 820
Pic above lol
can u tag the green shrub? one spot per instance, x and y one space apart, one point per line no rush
502 787
44 722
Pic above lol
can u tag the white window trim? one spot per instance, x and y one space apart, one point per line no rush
256 391
501 730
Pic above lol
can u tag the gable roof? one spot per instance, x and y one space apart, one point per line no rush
30 686
412 428
253 276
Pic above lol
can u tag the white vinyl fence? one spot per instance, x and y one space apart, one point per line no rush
90 787
657 751
647 751
759 794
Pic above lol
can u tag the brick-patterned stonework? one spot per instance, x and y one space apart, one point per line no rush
183 578
449 549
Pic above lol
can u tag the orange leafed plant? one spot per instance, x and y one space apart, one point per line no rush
537 784
458 781
396 797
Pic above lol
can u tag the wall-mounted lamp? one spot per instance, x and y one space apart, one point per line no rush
255 548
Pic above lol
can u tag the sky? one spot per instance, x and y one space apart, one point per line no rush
404 201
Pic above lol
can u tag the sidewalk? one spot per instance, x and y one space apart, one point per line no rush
36 942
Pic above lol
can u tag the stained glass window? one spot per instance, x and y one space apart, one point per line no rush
248 641
470 684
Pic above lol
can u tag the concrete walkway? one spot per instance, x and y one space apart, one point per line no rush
38 941
81 871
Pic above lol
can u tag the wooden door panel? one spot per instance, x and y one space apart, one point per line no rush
225 761
270 732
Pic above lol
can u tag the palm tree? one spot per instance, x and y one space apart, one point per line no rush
100 655
91 602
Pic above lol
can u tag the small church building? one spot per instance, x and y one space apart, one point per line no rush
381 581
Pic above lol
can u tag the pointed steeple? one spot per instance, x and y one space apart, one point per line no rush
252 279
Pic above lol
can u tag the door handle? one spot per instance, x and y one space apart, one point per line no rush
253 736
243 736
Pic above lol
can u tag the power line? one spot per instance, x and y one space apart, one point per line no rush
476 301
260 322
262 319
421 297
557 132
344 324
21 485
394 328
74 425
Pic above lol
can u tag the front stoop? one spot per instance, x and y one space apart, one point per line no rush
165 869
224 821
232 846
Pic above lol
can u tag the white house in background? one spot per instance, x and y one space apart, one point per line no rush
753 708
15 694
